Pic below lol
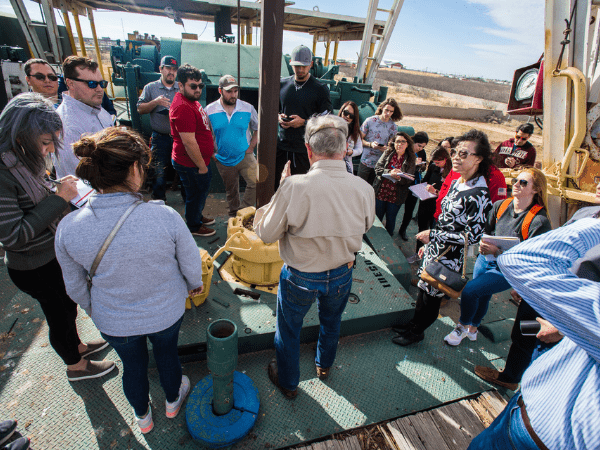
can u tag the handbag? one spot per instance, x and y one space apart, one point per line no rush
445 279
107 242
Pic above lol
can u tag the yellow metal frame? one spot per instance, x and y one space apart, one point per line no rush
96 45
79 33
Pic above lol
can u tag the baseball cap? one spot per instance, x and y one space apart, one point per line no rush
301 56
168 61
227 82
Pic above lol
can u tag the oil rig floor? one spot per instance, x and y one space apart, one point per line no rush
372 379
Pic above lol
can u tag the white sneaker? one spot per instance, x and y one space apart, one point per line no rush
458 334
145 423
184 389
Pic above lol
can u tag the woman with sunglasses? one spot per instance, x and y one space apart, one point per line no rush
139 289
522 216
464 210
30 130
349 112
390 195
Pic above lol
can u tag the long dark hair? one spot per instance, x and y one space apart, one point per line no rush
107 156
354 126
23 120
439 154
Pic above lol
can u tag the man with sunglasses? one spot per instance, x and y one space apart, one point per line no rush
81 111
42 78
517 151
319 219
193 146
156 100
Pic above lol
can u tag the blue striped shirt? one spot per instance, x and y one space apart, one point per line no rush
561 388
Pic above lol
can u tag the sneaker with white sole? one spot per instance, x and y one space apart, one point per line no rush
93 369
184 389
458 334
145 423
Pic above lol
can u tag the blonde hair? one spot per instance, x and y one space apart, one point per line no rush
540 186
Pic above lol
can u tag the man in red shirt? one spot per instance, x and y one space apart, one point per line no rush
517 151
193 146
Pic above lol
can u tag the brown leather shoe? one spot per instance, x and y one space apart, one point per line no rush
322 374
272 371
414 282
491 376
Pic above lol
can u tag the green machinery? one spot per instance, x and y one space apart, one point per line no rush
136 64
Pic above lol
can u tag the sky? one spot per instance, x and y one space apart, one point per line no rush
479 38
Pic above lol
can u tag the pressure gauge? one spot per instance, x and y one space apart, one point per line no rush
526 85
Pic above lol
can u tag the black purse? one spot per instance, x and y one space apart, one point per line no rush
445 279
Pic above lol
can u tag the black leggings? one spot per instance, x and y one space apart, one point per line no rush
409 207
46 285
425 217
426 311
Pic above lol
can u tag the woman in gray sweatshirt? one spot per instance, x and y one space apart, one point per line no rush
139 288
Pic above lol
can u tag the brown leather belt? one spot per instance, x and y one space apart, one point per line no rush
527 424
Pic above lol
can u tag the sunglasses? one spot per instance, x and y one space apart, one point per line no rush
91 83
42 77
520 138
523 183
194 86
348 114
462 154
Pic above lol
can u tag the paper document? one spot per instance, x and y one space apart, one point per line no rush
84 191
502 242
390 177
420 191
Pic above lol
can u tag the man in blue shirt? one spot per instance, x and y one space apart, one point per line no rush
235 123
558 407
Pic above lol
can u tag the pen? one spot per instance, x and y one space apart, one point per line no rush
53 181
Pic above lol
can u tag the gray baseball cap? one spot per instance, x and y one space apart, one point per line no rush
301 56
227 82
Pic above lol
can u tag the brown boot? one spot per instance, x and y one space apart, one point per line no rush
491 376
322 374
272 371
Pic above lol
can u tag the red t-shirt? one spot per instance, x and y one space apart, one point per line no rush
187 116
495 181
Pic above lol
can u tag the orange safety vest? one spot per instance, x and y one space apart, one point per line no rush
528 218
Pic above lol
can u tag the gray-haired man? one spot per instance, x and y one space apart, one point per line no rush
319 219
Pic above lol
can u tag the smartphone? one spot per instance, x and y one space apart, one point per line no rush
287 119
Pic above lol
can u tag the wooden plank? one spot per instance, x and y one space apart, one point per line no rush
463 413
495 402
352 443
485 416
455 436
428 432
401 442
491 405
413 442
388 438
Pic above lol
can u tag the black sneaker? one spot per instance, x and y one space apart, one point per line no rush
204 231
94 369
7 428
18 444
207 221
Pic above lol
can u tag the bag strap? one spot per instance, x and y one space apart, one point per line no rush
528 219
464 271
503 207
107 242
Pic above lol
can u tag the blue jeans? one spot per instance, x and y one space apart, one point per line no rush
390 210
506 432
196 188
162 145
297 292
133 351
475 298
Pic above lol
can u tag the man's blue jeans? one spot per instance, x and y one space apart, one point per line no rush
196 188
506 432
297 292
162 145
133 351
390 211
475 298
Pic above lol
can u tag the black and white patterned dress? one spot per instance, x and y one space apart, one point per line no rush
464 208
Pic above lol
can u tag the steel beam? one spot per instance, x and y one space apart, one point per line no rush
96 45
79 33
271 40
52 31
366 40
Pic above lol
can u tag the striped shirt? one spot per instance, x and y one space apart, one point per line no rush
561 388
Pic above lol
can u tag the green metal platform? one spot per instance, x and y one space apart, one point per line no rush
372 379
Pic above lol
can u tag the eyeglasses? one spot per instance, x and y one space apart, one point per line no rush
520 138
42 77
402 142
462 154
348 114
523 183
194 86
91 83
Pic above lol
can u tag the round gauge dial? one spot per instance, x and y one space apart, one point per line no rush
526 85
